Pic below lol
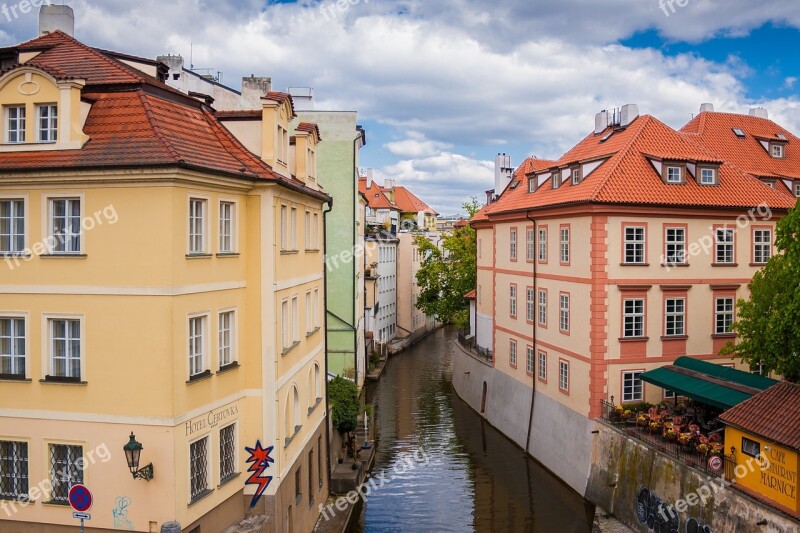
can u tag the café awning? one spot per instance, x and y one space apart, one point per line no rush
708 383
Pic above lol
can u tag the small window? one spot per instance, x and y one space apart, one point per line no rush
780 136
674 175
633 318
197 225
542 245
532 184
15 122
607 136
777 151
563 375
66 470
751 447
632 387
198 468
738 132
563 312
48 123
576 176
12 349
564 245
298 492
724 316
543 366
512 354
227 324
543 308
65 225
512 301
556 179
530 304
758 369
530 237
724 244
65 349
708 176
675 246
513 245
531 363
797 189
762 245
12 226
226 221
634 245
197 331
675 317
227 453
13 470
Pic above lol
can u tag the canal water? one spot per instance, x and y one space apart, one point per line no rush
439 467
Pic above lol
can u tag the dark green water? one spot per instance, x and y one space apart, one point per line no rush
441 468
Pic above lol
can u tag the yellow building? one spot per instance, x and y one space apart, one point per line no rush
763 433
158 278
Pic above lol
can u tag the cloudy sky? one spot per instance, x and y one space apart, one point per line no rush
442 86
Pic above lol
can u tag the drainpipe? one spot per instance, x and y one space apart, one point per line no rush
361 137
325 325
533 332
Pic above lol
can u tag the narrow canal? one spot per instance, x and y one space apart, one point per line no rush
442 468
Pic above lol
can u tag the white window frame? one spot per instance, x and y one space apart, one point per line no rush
629 387
513 244
778 151
542 372
726 316
284 227
797 189
13 221
633 319
724 248
530 244
634 244
512 353
21 123
542 252
232 341
708 176
282 150
564 240
192 229
51 239
286 325
295 319
563 375
677 314
563 312
512 301
193 357
762 249
678 246
49 133
530 304
542 305
227 227
293 228
14 333
530 360
317 305
309 314
308 230
671 175
48 341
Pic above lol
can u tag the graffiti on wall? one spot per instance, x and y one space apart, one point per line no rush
261 460
120 513
660 517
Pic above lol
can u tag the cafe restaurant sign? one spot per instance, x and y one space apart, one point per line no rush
211 419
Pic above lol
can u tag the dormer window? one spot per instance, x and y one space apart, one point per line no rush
47 115
576 176
708 176
674 175
15 120
532 183
777 151
797 189
556 177
770 183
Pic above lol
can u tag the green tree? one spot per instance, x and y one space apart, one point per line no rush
768 324
448 273
343 398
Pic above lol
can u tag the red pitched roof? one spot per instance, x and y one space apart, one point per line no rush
281 98
628 177
134 122
374 195
773 415
407 202
472 295
309 127
531 164
715 132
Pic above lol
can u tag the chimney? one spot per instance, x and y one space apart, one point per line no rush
388 183
369 178
56 17
628 114
600 121
502 173
303 98
759 112
706 108
253 88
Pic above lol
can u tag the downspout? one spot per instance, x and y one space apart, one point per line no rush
361 136
325 325
533 331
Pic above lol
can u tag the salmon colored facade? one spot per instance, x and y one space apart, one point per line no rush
159 279
624 254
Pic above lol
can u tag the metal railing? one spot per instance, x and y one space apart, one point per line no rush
685 453
469 343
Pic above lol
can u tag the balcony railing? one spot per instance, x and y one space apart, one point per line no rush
468 342
688 450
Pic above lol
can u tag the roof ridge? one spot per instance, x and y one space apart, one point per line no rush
151 119
622 152
111 61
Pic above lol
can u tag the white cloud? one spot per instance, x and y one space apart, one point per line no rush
789 82
416 146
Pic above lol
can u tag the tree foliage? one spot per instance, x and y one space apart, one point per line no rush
768 324
343 398
448 273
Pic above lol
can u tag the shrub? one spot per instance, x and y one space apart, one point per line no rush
343 397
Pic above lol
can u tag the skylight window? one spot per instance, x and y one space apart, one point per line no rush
780 136
514 184
739 133
607 136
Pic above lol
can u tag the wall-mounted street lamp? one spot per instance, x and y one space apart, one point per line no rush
133 450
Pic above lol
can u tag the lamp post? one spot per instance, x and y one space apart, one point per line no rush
133 450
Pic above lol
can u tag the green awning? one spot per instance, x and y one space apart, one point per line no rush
708 383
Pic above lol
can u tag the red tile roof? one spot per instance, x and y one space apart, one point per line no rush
407 202
472 295
309 127
628 177
280 97
374 195
532 164
773 415
715 132
135 122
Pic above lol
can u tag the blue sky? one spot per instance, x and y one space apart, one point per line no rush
443 85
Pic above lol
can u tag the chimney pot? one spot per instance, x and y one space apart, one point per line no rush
56 17
706 108
628 114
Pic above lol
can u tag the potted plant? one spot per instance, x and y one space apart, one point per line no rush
671 435
703 449
655 426
642 420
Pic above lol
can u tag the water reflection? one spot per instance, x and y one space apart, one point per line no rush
474 480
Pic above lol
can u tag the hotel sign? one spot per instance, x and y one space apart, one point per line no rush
211 419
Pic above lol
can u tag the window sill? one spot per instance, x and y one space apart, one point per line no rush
674 265
54 380
199 377
63 256
674 337
15 378
289 440
290 252
227 254
290 348
228 368
55 503
228 479
310 333
634 264
724 264
314 407
12 255
633 339
199 256
200 496
758 264
312 250
723 335
23 499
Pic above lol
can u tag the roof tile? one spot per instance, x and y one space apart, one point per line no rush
773 415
